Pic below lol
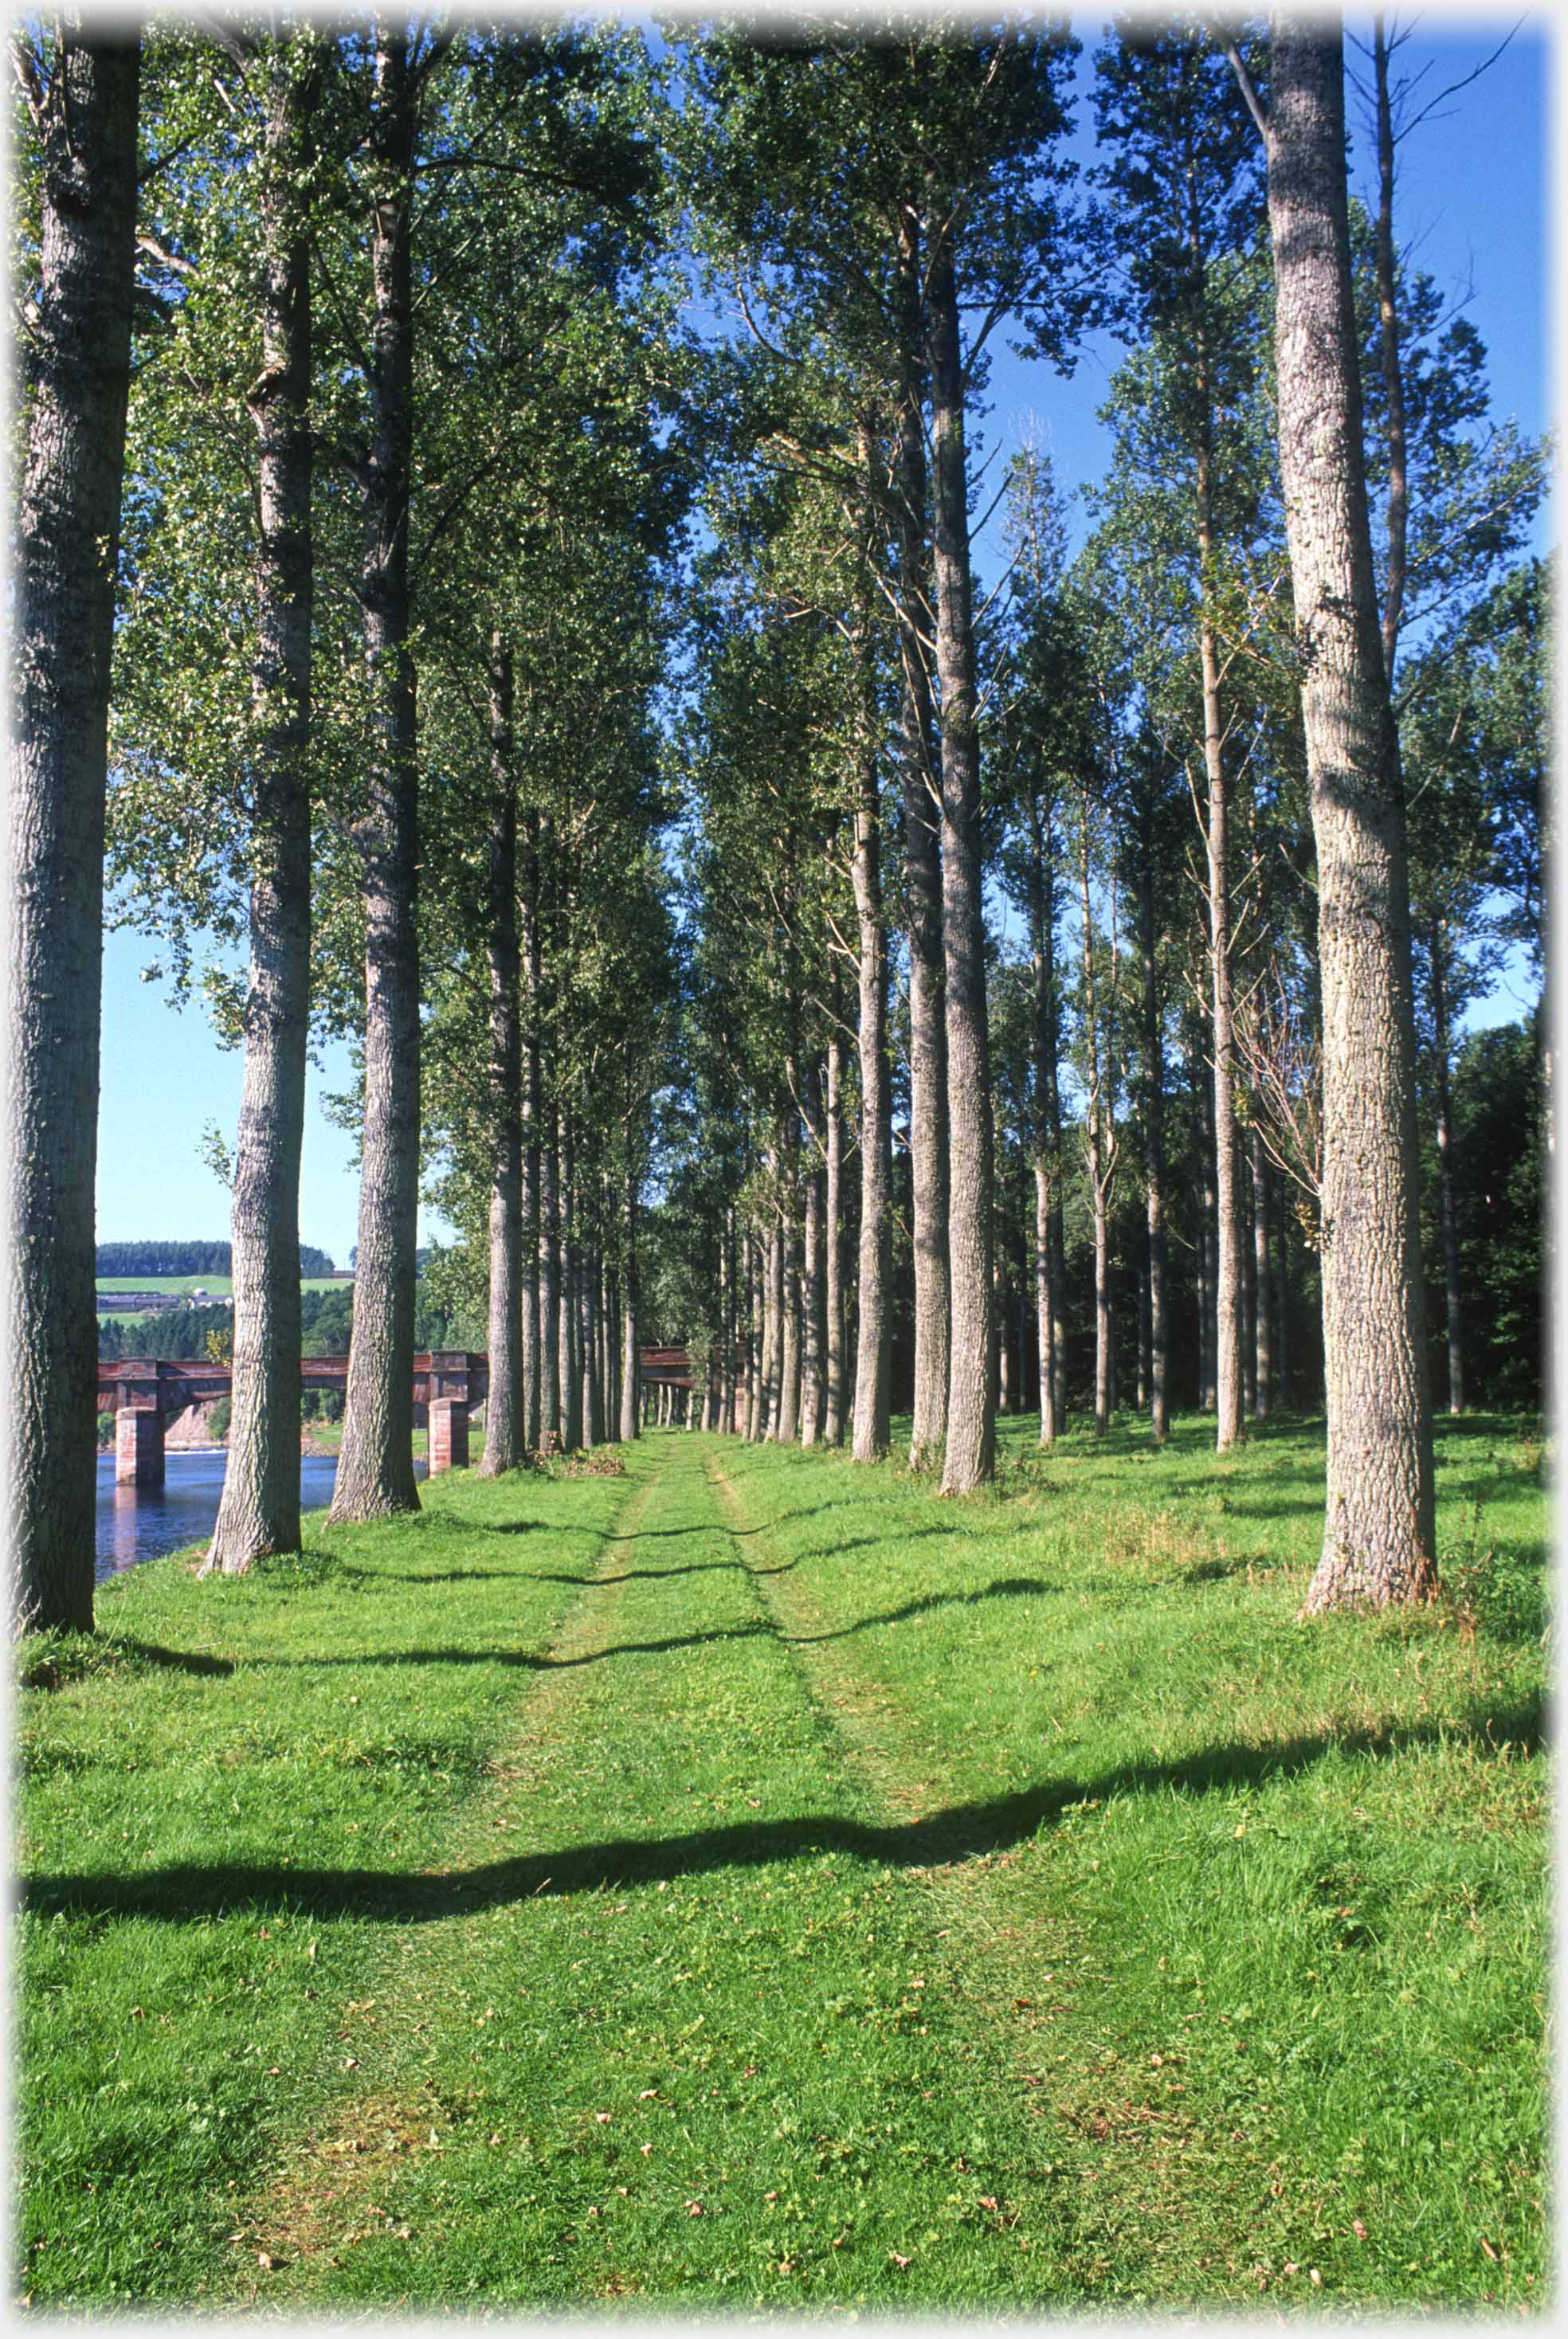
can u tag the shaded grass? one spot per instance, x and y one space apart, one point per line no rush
999 1900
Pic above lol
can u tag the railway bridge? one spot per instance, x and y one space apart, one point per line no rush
145 1393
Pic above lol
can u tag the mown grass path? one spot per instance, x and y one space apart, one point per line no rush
751 1880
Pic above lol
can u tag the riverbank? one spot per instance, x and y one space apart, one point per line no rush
746 1882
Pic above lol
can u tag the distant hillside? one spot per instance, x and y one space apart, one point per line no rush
189 1258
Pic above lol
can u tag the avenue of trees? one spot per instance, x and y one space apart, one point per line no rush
495 583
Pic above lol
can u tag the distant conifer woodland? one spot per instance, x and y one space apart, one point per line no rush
516 568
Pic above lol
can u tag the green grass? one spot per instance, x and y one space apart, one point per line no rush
754 1881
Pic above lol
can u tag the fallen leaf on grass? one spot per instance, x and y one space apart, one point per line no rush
695 2209
1488 2248
897 2260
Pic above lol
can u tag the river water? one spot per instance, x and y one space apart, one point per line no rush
142 1522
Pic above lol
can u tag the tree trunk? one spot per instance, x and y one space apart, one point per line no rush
570 1268
504 1411
1280 1325
67 548
871 1376
1249 1309
1379 1539
610 1344
551 1426
1263 1371
754 1358
971 1417
1045 1330
593 1420
788 1425
1208 1241
774 1330
1228 1261
1446 1212
922 882
376 1463
1100 1154
1154 1147
812 1308
833 1242
531 1232
260 1508
629 1390
613 1358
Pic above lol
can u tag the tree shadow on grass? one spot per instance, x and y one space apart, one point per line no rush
386 1577
186 1892
152 1657
760 1628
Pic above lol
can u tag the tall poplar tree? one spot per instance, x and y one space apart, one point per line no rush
80 85
1379 1536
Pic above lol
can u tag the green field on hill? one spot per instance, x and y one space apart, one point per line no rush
751 1881
216 1287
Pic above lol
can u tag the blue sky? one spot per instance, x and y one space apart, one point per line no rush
1473 209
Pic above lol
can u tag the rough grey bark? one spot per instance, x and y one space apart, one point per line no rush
1157 1395
773 1329
551 1426
1280 1323
1263 1285
788 1424
1227 1255
591 1405
1379 1538
1099 1145
1208 1314
505 1415
259 1511
813 1295
971 1406
610 1343
376 1462
1046 1130
529 1104
727 1375
870 1377
922 880
753 1376
77 356
832 1243
1454 1304
571 1394
630 1391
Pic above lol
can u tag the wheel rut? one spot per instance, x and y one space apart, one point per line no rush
704 2032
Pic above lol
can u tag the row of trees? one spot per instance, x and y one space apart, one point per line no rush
1213 1019
120 1259
390 532
414 704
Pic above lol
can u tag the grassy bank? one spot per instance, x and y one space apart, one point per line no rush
752 1878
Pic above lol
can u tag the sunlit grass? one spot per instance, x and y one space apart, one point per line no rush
1001 1900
